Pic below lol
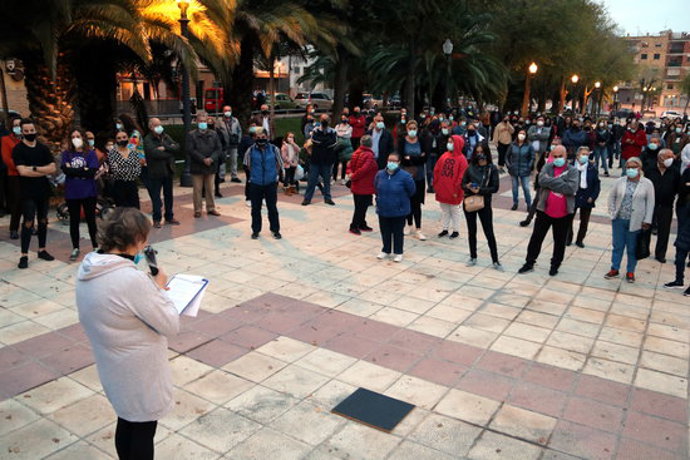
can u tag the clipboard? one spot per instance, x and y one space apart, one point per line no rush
186 292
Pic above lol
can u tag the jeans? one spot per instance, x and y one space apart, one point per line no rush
199 183
623 240
450 216
392 229
257 195
126 193
34 208
663 215
155 186
585 214
316 171
232 155
524 181
134 440
486 218
74 207
359 218
541 228
600 153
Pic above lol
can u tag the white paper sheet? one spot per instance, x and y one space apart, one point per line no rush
186 292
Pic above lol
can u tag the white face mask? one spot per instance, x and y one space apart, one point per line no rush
450 146
668 162
521 137
77 142
540 123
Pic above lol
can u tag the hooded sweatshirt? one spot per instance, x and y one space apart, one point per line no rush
127 319
448 174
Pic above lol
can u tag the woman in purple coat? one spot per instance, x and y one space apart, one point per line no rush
80 164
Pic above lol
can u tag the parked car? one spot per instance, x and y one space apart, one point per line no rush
318 100
283 101
394 101
371 102
624 113
671 114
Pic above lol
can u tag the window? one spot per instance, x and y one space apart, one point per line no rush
297 69
669 86
657 56
657 45
643 56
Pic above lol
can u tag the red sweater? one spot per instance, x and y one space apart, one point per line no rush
362 170
633 143
6 146
358 125
448 173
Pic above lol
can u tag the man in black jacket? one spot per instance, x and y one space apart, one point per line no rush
321 161
383 144
160 152
666 177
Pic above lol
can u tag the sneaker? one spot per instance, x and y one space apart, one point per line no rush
248 203
420 236
407 229
514 207
579 244
525 223
23 262
14 235
197 214
398 258
255 235
45 256
75 253
306 203
630 277
172 222
156 224
218 195
472 262
553 271
236 180
454 235
443 233
355 231
382 255
498 267
364 228
430 189
277 235
612 274
568 243
675 284
342 181
686 293
526 269
329 202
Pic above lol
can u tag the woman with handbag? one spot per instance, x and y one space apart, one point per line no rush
448 174
479 183
413 154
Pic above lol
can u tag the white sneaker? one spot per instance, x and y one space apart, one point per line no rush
382 255
342 181
498 267
398 258
248 203
420 236
472 262
74 255
407 229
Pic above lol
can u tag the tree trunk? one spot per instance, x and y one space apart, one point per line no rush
243 81
50 99
342 65
272 93
409 81
96 88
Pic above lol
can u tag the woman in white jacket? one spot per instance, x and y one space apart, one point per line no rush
127 317
631 207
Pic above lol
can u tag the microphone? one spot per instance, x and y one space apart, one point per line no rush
150 255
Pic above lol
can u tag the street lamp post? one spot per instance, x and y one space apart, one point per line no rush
615 98
185 178
448 51
531 71
597 86
574 79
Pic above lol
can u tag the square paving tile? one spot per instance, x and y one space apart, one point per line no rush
358 441
255 366
524 424
416 391
15 415
659 432
493 445
217 353
85 416
308 423
295 381
54 395
36 440
467 406
261 404
582 441
218 386
369 376
220 430
446 434
661 405
594 414
538 398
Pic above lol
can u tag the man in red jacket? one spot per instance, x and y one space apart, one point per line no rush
633 141
359 126
362 170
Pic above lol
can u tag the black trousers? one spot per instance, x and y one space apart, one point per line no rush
257 193
343 170
3 189
502 150
74 207
533 207
663 215
359 218
14 202
486 218
126 193
289 178
34 208
585 214
134 440
541 228
155 186
392 229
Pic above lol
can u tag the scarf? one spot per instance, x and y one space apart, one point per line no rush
583 173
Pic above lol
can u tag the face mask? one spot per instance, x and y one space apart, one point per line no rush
610 126
632 172
668 162
559 162
528 122
392 166
264 112
422 116
444 131
91 142
227 114
158 129
521 137
203 125
317 124
357 112
451 118
138 257
471 132
252 130
412 133
123 143
119 126
631 129
324 124
463 123
17 130
343 120
653 146
30 137
678 130
540 123
77 143
380 125
312 111
601 126
262 141
450 146
481 157
584 159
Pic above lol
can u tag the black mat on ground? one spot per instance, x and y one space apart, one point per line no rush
373 409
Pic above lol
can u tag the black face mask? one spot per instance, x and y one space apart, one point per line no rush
123 143
471 132
30 137
262 142
264 112
324 124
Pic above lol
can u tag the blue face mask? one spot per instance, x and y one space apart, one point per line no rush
392 166
380 125
653 146
632 172
559 162
17 130
203 125
138 257
583 159
412 133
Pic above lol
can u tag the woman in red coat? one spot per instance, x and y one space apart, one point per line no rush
448 174
362 169
633 141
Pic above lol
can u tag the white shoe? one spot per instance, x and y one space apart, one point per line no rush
398 258
248 203
74 255
472 262
382 255
342 181
407 229
498 267
420 236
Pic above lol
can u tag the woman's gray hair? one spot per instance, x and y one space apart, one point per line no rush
123 228
366 140
634 160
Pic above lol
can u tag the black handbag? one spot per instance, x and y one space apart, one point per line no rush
643 241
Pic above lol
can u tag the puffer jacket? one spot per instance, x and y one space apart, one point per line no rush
362 170
393 193
520 159
448 173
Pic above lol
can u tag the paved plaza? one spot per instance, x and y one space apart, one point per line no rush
499 365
